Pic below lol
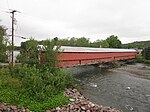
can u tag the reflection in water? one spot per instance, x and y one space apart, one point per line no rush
116 89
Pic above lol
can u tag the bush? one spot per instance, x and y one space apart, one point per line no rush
34 85
146 53
147 61
28 87
42 84
139 59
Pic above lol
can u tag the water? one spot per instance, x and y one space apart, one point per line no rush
117 88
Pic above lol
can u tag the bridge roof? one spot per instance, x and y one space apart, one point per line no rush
90 49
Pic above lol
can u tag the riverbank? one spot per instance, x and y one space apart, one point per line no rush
79 103
136 70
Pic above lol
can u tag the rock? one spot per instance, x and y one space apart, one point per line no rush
128 88
71 107
83 108
88 111
72 100
81 104
13 107
91 104
58 108
27 110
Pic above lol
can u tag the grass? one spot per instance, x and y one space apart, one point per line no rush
140 59
27 87
11 96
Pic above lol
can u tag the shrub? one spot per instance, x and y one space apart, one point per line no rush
147 61
42 84
140 58
146 53
30 88
32 84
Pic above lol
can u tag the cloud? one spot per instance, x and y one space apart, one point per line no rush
94 19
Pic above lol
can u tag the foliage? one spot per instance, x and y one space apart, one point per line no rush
80 42
3 44
104 44
113 42
138 44
48 55
40 86
146 53
33 52
84 42
130 46
29 52
100 43
147 61
140 59
28 87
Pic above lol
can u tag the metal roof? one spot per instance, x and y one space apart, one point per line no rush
90 49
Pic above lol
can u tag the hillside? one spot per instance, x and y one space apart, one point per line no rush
137 44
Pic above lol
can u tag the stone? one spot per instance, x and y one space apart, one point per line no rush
58 108
13 107
83 108
88 111
71 107
72 100
27 110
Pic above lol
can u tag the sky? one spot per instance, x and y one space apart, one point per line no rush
93 19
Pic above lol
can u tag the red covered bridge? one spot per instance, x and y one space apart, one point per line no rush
73 56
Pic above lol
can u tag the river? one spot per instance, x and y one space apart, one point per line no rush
126 88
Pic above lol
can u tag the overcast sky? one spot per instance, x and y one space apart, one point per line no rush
94 19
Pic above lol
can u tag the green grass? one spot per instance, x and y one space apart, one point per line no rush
26 87
140 59
12 96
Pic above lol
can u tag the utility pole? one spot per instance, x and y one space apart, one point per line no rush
12 52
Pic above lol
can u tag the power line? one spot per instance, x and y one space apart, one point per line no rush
23 37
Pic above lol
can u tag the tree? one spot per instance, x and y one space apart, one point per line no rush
72 41
64 42
29 52
100 43
113 42
129 46
82 42
104 44
146 53
3 44
43 55
55 40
